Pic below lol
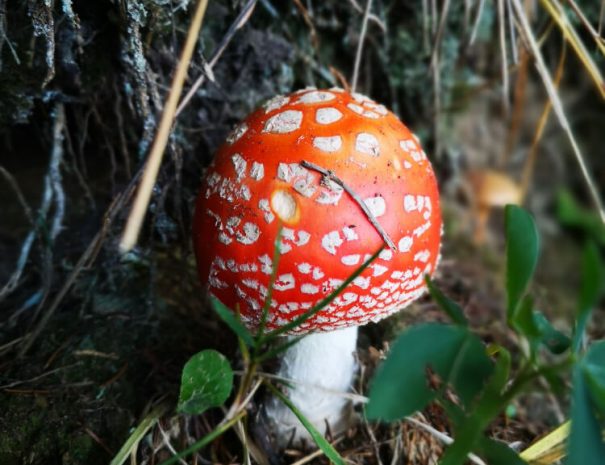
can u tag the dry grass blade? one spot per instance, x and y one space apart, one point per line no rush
359 53
138 434
530 162
601 18
239 22
511 32
13 281
596 35
442 437
526 31
557 13
550 448
477 21
137 214
316 454
504 64
371 17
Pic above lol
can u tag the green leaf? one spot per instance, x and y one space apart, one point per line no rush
522 243
321 442
593 277
537 329
231 319
469 433
523 319
278 349
450 307
571 214
593 367
553 339
206 382
400 386
498 453
585 441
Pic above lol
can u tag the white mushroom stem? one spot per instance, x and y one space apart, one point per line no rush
321 366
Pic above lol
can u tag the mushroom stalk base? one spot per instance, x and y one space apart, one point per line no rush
321 367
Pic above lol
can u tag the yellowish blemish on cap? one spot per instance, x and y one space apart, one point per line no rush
284 206
396 163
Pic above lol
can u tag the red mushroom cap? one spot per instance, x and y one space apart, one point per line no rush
257 183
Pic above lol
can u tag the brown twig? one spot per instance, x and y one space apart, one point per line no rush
557 106
85 259
13 281
152 167
371 218
519 106
309 22
39 377
98 440
477 21
359 53
371 17
596 35
601 18
239 22
530 162
504 64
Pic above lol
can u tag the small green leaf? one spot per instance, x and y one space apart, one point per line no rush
450 307
537 329
400 386
321 442
498 453
585 441
593 367
593 277
523 319
522 244
206 382
231 319
571 214
553 339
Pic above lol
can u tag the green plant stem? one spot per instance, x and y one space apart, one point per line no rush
140 431
523 379
218 431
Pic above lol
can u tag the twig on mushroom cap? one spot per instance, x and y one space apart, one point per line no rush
371 218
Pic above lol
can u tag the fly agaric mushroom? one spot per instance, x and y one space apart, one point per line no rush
340 175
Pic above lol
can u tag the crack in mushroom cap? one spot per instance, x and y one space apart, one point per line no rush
256 183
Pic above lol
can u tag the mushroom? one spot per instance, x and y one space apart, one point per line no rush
341 176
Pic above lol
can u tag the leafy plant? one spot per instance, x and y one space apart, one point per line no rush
486 380
207 378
